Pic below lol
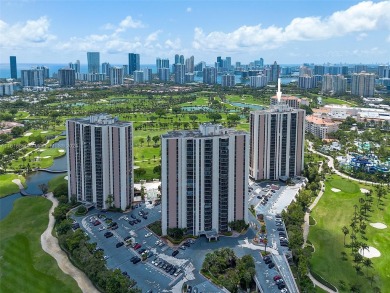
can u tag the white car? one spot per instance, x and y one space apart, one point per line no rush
148 234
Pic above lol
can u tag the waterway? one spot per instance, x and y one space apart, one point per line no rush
33 180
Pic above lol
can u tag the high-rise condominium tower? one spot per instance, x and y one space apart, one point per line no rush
277 140
93 62
134 62
100 161
204 179
13 68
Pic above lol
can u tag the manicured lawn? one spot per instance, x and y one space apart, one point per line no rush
334 211
7 187
53 183
326 101
25 267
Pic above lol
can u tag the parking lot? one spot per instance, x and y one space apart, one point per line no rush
159 271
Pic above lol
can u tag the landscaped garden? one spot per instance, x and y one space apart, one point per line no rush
25 267
7 186
343 233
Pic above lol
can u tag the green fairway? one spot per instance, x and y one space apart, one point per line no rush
7 187
24 266
327 101
336 210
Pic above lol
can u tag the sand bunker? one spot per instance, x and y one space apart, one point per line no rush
18 183
378 225
28 134
61 151
335 190
370 252
66 177
44 131
364 190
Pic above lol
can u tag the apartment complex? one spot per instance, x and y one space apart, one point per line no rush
204 179
100 161
320 126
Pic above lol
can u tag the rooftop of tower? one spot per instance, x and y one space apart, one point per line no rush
205 130
102 119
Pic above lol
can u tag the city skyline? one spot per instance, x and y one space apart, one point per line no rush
290 32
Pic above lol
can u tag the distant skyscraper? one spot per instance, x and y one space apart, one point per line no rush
93 62
116 75
32 77
200 66
177 59
277 137
384 71
181 59
258 81
66 77
147 74
306 82
228 80
204 179
275 69
359 68
162 63
210 75
100 161
333 84
134 62
319 70
179 73
363 84
190 64
13 67
138 76
106 68
164 74
75 66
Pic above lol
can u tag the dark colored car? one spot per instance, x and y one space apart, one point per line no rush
141 250
145 217
271 265
119 244
268 261
126 238
280 229
108 234
281 286
137 260
282 234
138 220
266 257
131 223
174 253
114 227
134 217
133 258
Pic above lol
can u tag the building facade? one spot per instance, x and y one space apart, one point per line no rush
93 59
210 75
134 62
116 75
363 84
277 140
180 70
320 126
228 80
258 81
13 67
32 77
100 161
66 77
204 179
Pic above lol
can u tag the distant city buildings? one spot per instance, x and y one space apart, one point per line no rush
134 62
75 66
32 78
138 76
66 77
190 65
106 69
100 161
209 75
228 80
204 179
93 59
162 63
258 81
6 89
164 74
179 71
13 67
292 101
333 84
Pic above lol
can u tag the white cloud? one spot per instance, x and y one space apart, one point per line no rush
189 9
360 18
361 36
32 33
152 38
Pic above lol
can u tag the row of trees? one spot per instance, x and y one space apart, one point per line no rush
229 271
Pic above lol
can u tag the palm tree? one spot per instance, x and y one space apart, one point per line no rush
110 200
265 244
148 139
345 231
367 263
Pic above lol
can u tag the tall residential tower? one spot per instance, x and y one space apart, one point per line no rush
204 179
100 161
93 62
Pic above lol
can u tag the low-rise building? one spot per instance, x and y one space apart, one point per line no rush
320 126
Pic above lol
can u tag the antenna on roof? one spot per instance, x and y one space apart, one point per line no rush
279 93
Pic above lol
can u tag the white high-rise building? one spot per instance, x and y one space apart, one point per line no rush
147 74
333 84
277 137
190 65
138 76
116 75
363 84
228 80
258 81
180 70
100 161
204 179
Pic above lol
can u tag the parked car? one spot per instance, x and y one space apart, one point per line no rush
281 286
131 223
133 258
271 265
145 217
280 229
175 252
137 260
277 277
138 246
134 217
126 238
280 281
268 261
108 234
119 244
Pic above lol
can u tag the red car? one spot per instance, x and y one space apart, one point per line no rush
277 277
137 246
96 223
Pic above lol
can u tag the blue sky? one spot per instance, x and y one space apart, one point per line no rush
290 32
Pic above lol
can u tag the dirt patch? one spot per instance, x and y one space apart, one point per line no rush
335 189
370 252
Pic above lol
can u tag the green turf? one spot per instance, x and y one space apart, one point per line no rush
327 101
53 183
7 187
24 266
334 211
